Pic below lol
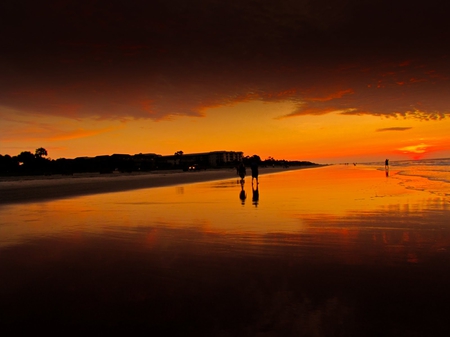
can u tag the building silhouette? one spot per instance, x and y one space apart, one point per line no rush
202 160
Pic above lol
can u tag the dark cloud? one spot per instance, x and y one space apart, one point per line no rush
394 129
161 59
406 89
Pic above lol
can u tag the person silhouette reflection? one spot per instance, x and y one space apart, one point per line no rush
241 170
255 194
254 168
242 194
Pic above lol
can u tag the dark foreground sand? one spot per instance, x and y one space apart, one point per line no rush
29 189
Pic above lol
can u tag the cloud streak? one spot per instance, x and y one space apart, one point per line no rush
43 132
190 93
415 149
394 129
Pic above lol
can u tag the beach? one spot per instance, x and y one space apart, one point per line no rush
326 251
16 189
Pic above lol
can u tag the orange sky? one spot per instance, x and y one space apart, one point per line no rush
296 80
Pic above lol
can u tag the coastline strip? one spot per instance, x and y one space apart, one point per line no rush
30 189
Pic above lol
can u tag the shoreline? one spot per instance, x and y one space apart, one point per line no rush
24 189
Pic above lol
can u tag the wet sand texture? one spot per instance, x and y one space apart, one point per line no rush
17 189
336 251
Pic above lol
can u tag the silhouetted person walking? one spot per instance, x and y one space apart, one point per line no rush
386 164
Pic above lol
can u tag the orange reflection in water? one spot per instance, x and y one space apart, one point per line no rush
345 207
324 248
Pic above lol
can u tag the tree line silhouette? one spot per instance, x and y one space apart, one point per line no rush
27 163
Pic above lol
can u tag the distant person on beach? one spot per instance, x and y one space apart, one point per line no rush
242 171
386 164
254 168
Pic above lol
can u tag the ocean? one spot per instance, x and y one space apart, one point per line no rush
437 169
434 174
339 250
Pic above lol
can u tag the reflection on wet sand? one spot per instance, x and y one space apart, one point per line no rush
242 194
355 256
255 193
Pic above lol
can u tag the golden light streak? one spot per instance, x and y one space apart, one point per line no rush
420 148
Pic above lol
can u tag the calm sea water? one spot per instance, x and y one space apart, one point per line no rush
333 251
435 174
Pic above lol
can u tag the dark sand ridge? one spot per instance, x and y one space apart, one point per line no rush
29 189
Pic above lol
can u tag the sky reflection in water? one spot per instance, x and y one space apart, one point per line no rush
310 201
319 247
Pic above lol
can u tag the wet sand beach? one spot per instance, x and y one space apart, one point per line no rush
34 188
330 251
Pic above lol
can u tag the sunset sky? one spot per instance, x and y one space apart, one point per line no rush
324 81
